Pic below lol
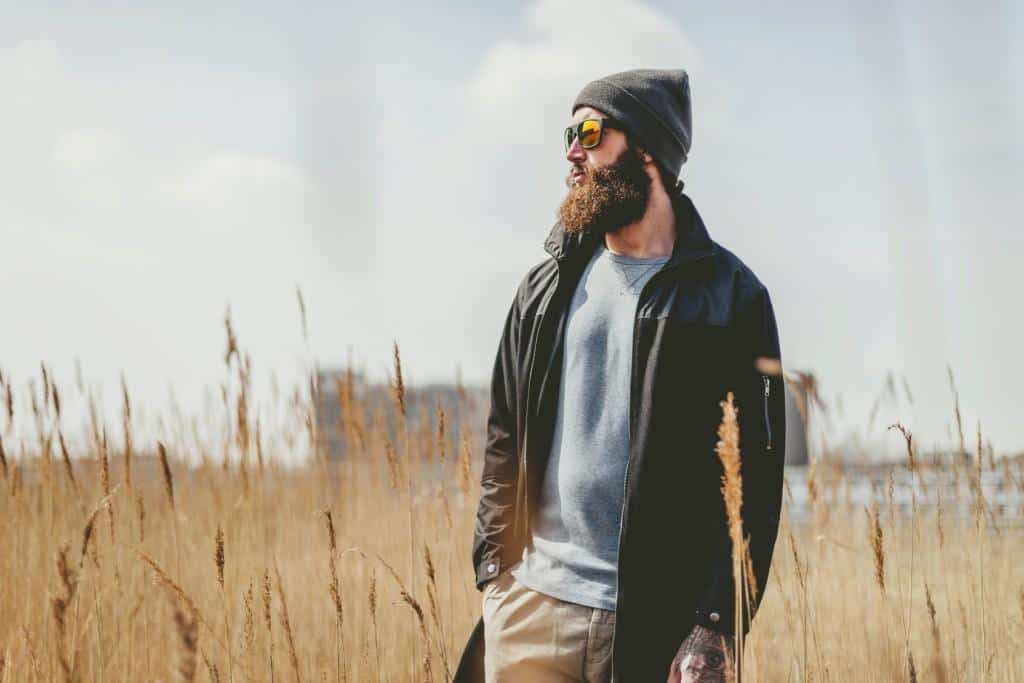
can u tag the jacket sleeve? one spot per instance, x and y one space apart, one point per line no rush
760 399
494 517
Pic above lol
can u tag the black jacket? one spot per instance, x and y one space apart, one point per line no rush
701 322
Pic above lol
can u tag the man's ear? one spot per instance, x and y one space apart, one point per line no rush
644 154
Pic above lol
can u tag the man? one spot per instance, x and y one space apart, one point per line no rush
601 544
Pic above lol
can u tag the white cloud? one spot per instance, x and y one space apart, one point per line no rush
526 84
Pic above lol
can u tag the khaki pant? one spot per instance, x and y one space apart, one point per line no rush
530 637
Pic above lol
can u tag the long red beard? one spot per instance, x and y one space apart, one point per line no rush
609 197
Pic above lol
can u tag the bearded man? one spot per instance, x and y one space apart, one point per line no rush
601 544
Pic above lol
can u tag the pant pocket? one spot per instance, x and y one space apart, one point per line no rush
496 586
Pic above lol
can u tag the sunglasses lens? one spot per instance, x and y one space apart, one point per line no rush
590 134
570 133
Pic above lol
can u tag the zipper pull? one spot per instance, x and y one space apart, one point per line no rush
767 419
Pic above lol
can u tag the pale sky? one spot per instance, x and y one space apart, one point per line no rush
403 164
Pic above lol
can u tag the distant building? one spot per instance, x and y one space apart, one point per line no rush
373 406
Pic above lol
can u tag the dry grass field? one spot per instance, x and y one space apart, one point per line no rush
209 560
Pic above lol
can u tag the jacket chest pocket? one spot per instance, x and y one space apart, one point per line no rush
685 368
692 351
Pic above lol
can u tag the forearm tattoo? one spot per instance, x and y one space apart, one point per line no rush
704 657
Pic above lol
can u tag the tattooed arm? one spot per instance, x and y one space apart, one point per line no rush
704 657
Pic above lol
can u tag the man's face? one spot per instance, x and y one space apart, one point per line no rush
608 185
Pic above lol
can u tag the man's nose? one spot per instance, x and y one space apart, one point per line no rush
576 153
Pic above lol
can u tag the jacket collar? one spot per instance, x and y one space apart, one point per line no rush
692 239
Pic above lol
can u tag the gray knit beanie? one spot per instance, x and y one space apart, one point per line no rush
653 105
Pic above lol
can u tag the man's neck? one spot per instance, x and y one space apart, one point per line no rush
652 236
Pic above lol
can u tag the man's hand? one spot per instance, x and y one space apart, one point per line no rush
705 656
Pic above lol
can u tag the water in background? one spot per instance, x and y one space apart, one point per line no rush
1002 489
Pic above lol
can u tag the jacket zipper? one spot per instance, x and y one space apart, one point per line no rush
538 325
767 420
629 456
622 510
